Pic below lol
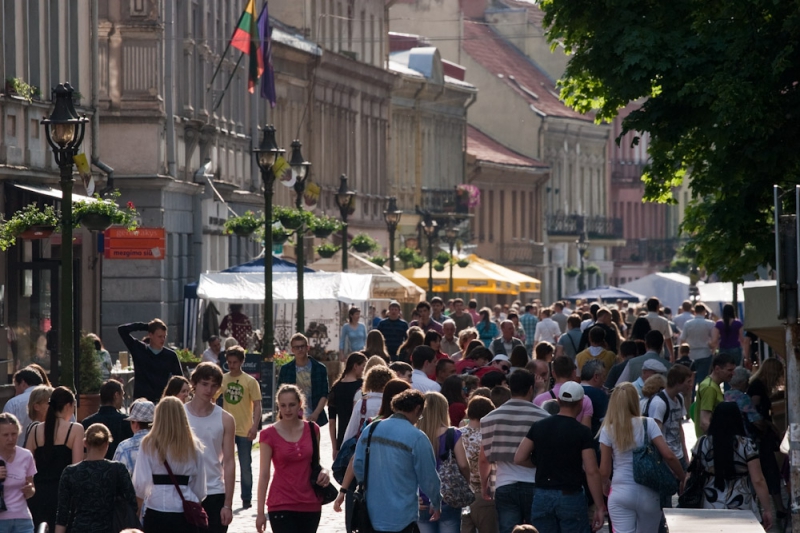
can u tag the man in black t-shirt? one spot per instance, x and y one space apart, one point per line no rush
562 449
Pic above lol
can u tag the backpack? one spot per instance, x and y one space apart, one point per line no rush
456 491
661 394
348 448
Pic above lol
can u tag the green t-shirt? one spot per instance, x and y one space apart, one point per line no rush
709 396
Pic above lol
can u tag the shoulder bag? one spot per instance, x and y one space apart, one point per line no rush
361 521
193 512
456 491
693 495
348 448
649 468
327 493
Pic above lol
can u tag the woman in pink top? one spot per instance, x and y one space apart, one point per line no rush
16 477
292 505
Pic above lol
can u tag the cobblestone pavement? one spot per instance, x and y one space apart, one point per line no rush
244 520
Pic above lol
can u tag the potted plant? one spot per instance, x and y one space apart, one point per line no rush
327 250
469 197
418 261
592 269
279 235
462 262
30 223
406 255
289 217
571 271
100 214
378 260
442 257
90 380
323 226
363 243
189 360
18 87
243 225
438 267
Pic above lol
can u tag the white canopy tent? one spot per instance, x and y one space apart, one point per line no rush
239 287
671 288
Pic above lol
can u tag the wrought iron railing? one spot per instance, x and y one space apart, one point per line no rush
626 171
597 227
527 253
441 201
647 250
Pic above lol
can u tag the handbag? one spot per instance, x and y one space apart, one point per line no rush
693 495
193 512
348 448
456 491
327 493
361 521
124 516
649 468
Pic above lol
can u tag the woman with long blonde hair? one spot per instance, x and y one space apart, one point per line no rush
633 508
435 423
170 441
376 345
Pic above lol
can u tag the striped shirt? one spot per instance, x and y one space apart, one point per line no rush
503 429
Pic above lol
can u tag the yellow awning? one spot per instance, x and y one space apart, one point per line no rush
473 278
526 283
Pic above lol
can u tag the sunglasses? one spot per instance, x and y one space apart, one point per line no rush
505 368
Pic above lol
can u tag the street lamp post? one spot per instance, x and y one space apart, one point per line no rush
429 227
64 130
582 244
344 199
300 169
392 217
450 235
266 155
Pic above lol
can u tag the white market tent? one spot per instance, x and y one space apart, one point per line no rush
670 287
241 287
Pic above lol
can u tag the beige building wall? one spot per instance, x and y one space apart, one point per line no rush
437 20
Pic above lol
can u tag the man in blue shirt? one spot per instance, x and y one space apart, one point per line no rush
529 321
401 460
394 329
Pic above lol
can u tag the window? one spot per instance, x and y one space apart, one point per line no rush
75 28
9 44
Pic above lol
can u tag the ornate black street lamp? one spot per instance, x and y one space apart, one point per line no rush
344 199
64 130
582 244
266 155
392 217
450 236
429 227
300 169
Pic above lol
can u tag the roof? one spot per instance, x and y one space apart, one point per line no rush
484 148
535 13
500 58
423 63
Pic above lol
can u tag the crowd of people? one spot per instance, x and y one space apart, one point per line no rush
520 418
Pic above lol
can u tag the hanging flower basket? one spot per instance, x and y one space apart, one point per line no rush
323 226
244 225
95 221
438 267
363 243
37 232
279 236
463 263
327 250
378 260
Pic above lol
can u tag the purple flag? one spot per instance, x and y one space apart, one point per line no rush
268 77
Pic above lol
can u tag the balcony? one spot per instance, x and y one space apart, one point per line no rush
596 227
626 172
646 250
437 201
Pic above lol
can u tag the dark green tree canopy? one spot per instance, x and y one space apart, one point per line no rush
718 82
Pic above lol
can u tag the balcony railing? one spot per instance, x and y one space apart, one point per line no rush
596 227
441 201
525 253
646 250
626 171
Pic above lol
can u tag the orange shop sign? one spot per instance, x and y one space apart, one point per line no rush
141 243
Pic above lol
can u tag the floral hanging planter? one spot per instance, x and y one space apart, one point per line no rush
242 232
37 232
95 221
327 250
279 236
322 233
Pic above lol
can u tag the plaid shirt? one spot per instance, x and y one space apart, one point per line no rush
319 383
128 450
528 322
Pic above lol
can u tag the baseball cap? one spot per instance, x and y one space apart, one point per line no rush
655 365
394 302
141 411
500 357
570 392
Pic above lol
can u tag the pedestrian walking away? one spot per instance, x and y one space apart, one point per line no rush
140 420
112 396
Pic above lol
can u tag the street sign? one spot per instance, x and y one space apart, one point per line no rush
141 243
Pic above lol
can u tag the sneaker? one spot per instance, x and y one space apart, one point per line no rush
246 504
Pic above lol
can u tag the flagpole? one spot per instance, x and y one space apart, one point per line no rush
233 72
228 47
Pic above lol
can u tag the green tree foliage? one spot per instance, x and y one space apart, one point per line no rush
718 86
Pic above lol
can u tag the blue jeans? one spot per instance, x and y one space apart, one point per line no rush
556 512
449 522
16 525
244 447
513 503
701 369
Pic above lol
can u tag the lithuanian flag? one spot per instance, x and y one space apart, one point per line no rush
245 38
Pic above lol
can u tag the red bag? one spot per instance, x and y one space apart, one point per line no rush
193 512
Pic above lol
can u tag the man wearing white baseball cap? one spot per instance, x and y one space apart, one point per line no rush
140 419
562 450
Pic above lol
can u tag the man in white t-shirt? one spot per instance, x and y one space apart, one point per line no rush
423 359
212 354
661 324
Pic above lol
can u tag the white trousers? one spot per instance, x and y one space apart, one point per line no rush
634 508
